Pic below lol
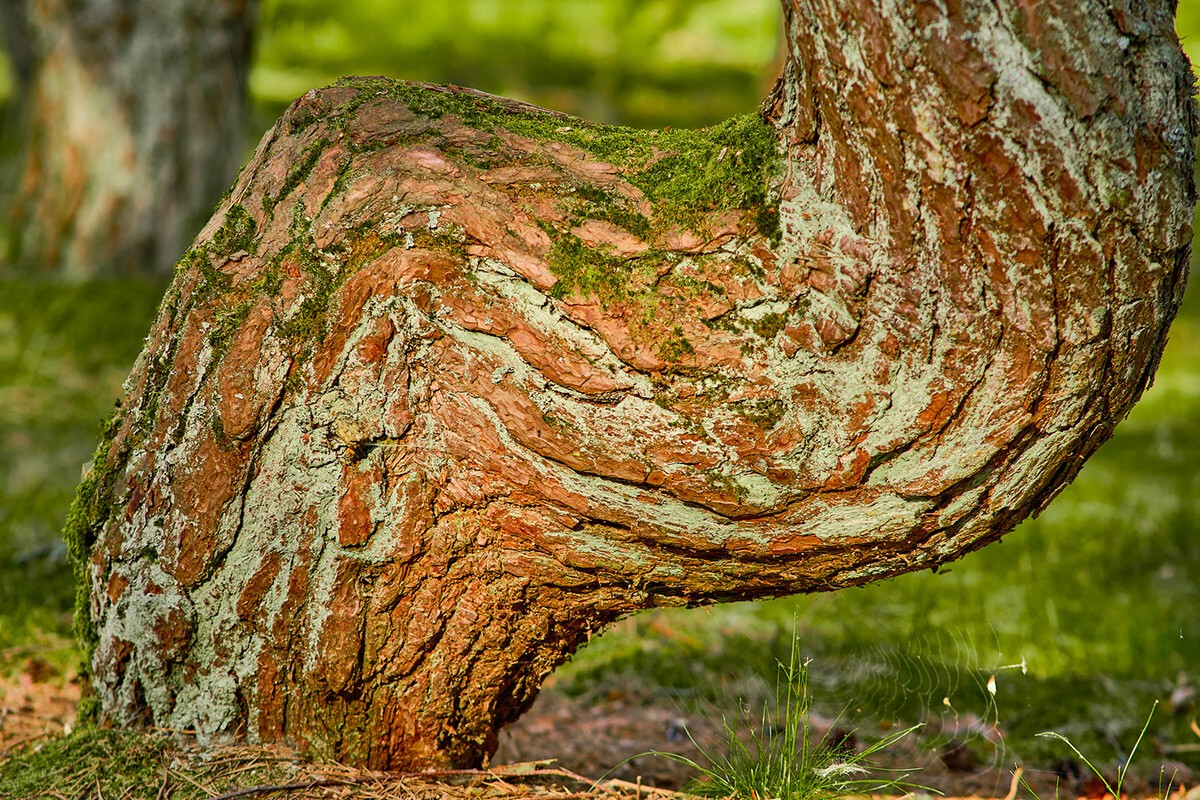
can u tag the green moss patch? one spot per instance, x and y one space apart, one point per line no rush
227 321
117 765
236 233
584 271
308 322
765 413
88 514
593 202
675 347
684 173
770 325
94 762
301 170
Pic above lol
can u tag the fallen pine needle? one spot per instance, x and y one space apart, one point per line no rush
1016 781
639 788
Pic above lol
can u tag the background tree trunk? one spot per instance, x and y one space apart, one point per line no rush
449 383
134 114
14 26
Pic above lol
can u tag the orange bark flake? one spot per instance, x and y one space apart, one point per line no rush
355 523
116 585
259 584
240 404
202 493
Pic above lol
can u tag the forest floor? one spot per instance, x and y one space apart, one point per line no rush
592 746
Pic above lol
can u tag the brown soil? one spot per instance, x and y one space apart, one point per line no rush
34 705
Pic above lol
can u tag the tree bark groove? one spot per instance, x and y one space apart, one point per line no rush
449 383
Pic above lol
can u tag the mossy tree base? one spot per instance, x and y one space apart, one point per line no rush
450 383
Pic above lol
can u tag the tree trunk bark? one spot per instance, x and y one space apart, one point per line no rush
14 27
134 116
449 383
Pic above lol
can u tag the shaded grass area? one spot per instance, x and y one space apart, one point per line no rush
779 754
64 350
635 62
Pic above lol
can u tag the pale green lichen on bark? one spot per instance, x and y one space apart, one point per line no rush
92 506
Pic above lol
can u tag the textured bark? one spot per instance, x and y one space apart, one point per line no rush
448 384
134 113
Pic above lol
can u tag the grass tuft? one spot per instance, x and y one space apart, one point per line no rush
779 756
1113 787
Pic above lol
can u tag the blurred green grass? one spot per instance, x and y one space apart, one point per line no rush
1097 599
64 351
646 63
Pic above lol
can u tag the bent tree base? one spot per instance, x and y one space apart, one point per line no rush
449 383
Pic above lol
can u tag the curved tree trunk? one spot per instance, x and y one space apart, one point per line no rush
134 115
449 383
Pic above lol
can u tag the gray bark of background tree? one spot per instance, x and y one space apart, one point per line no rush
133 115
449 383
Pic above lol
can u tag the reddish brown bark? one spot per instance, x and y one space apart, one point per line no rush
449 384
